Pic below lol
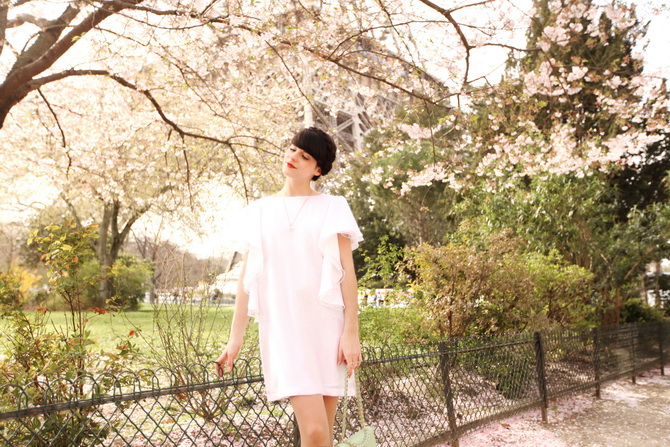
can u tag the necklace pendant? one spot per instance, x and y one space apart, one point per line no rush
290 228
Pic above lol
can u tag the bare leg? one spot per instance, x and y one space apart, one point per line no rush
313 420
331 409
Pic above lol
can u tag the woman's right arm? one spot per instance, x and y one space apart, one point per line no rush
239 326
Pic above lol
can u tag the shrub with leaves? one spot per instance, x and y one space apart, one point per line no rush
55 364
487 286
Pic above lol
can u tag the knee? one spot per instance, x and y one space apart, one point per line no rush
315 435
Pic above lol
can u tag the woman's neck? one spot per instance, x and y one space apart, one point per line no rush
293 189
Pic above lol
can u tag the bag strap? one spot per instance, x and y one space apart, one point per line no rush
359 401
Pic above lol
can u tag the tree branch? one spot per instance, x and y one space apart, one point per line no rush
27 18
290 72
510 47
157 106
46 39
72 208
466 45
337 61
470 4
62 134
12 90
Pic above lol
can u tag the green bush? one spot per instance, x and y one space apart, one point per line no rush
130 281
492 285
130 278
635 310
47 357
382 326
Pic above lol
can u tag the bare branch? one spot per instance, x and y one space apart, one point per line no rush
28 18
510 47
466 45
290 72
62 134
469 5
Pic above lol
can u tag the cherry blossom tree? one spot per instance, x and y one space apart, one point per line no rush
122 107
137 105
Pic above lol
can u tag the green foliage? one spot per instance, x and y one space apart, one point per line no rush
11 296
382 269
384 325
577 219
34 349
64 249
130 279
377 173
637 311
486 286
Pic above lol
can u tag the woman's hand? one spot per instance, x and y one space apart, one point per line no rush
227 357
349 352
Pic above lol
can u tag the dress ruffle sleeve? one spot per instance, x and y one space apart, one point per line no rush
249 229
339 220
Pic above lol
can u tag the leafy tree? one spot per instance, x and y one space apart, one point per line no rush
383 179
480 286
571 147
577 217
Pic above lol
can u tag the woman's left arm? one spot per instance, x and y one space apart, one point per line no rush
350 345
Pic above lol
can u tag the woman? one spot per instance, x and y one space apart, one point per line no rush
298 282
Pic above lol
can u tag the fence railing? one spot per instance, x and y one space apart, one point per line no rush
415 395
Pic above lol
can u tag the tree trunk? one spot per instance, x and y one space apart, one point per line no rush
110 242
105 287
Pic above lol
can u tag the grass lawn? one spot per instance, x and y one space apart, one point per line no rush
183 328
108 330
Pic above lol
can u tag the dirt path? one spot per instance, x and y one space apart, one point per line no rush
626 415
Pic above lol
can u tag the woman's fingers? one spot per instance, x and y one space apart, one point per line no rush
225 360
353 364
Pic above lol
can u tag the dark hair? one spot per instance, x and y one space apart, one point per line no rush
319 145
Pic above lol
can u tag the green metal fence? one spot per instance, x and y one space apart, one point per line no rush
415 395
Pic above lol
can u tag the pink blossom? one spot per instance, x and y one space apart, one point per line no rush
577 73
416 132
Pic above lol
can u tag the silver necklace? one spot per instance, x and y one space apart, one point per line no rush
291 222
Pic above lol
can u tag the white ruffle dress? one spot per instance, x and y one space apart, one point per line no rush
293 279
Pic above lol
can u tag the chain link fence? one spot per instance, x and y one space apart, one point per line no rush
415 395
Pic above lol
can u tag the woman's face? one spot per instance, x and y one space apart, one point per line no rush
299 165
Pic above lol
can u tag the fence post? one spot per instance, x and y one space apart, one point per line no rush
541 374
448 392
633 358
596 358
661 339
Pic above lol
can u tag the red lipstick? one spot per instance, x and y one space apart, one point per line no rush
290 165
